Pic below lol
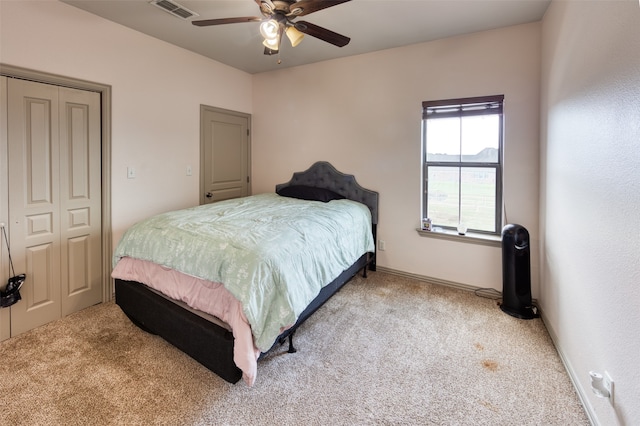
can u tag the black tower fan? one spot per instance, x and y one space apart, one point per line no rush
516 273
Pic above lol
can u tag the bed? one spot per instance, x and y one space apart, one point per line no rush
228 327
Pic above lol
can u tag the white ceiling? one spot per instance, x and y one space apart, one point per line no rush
371 24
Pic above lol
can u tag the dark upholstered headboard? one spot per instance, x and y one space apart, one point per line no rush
323 175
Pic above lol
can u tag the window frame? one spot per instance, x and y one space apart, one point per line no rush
464 107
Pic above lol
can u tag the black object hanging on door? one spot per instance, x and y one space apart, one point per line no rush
11 294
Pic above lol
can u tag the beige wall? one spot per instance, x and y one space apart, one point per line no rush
363 114
590 196
157 90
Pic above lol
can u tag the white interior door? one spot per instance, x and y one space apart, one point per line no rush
54 200
34 206
225 155
80 199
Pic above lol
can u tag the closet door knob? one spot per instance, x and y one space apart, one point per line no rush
208 195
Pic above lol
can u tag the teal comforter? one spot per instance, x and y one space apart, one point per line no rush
273 253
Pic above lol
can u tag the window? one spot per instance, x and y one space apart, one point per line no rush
462 163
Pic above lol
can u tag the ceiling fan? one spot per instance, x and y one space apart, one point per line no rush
278 19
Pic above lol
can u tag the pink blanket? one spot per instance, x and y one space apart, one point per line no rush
203 295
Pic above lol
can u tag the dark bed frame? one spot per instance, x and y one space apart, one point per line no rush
211 343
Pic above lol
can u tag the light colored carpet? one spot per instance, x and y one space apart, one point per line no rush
384 350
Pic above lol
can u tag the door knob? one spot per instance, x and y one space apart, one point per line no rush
208 195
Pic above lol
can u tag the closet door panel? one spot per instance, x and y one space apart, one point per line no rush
5 314
80 199
34 207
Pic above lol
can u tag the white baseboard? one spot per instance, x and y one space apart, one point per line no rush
573 376
426 279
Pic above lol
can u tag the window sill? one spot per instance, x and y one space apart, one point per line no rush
470 237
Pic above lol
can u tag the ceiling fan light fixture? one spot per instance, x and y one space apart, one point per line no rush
272 44
269 29
295 36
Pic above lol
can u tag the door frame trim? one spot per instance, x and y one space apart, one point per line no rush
105 121
203 110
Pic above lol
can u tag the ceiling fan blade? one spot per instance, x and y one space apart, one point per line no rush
322 33
221 21
310 6
266 6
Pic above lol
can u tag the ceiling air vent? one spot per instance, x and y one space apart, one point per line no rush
174 8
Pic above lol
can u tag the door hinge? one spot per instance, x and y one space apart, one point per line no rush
247 179
247 132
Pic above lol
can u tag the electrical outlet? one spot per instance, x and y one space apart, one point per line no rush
381 245
602 385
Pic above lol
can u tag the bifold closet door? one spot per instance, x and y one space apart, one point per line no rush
54 200
80 199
